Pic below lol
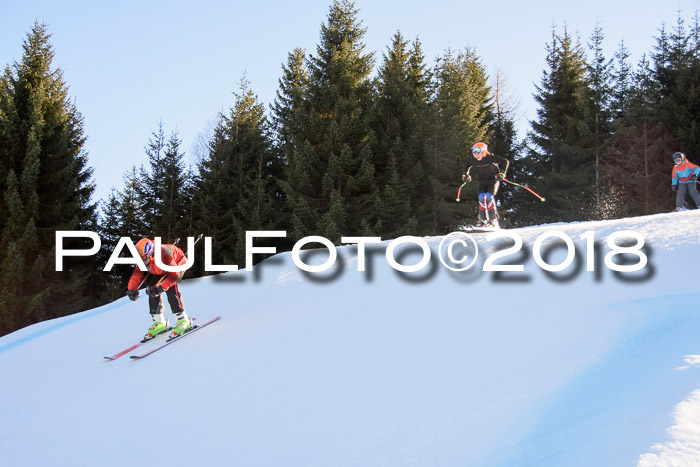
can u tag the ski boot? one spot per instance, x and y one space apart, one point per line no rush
156 328
493 223
183 325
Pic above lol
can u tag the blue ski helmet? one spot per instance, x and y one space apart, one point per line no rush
678 155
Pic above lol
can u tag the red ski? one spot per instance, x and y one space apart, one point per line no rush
136 346
170 340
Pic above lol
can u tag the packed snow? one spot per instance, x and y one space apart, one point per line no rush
346 367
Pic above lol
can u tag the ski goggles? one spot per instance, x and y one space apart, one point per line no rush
148 254
477 150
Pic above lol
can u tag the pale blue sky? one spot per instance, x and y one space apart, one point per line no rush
131 64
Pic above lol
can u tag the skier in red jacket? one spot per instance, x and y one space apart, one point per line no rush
683 178
156 281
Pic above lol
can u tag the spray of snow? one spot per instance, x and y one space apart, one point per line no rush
683 448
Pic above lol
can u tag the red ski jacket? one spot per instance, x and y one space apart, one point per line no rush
684 173
170 255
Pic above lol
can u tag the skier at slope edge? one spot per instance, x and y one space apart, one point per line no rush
156 281
683 178
491 169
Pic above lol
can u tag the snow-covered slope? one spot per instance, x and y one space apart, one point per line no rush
378 367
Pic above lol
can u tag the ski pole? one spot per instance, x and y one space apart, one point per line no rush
523 186
199 237
459 192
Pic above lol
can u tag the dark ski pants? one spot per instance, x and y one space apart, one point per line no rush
155 302
690 188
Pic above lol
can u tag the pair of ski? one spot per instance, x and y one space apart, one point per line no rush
169 341
476 229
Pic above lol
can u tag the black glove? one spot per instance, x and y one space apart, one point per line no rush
154 290
133 295
674 187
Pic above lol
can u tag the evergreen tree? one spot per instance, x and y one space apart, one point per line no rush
601 93
636 163
237 185
125 214
151 185
215 216
45 187
291 107
663 66
680 105
172 194
290 119
462 115
638 167
675 73
401 124
622 84
660 119
162 189
132 209
561 158
112 283
331 175
258 193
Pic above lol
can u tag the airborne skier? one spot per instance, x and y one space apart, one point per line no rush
491 169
